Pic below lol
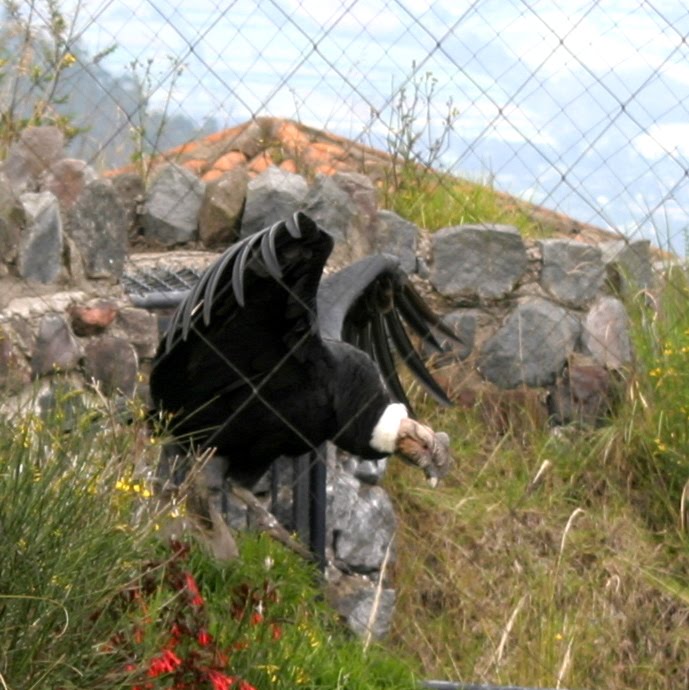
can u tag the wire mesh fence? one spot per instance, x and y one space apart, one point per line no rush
580 108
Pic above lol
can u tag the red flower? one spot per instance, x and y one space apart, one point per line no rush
256 618
196 598
167 662
243 685
221 658
204 638
275 631
219 680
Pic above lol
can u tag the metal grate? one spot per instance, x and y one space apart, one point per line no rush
147 281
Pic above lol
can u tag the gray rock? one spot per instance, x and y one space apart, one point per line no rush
40 247
630 266
97 224
397 236
463 323
272 196
583 395
131 191
14 371
92 318
140 328
345 205
172 206
66 179
35 151
606 336
366 471
484 261
12 221
354 598
112 363
55 347
573 272
532 345
362 522
222 207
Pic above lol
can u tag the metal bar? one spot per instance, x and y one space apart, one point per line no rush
300 498
317 504
451 685
159 300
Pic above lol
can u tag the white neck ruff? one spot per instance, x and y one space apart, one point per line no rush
384 436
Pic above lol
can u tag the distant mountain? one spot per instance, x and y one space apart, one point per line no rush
105 107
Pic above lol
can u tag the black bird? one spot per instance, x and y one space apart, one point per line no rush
263 358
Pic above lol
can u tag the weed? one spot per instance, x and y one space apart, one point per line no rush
147 128
38 48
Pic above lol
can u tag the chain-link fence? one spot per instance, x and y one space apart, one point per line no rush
578 107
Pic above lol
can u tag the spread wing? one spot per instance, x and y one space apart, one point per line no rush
250 310
372 305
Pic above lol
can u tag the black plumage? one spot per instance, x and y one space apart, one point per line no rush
263 358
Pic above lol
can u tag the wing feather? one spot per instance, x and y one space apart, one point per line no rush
366 304
411 358
386 361
249 310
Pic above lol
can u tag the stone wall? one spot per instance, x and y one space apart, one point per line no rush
541 327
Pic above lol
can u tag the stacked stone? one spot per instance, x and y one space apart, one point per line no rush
543 334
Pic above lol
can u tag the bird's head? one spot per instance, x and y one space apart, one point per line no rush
422 447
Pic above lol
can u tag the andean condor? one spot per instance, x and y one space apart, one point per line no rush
264 359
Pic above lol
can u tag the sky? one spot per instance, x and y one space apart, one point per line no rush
582 106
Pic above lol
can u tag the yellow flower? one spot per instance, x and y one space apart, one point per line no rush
271 671
68 60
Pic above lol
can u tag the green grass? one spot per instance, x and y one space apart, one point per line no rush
581 581
435 200
92 597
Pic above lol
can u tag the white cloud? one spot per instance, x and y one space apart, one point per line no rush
662 139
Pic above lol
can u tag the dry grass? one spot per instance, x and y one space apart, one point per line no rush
561 581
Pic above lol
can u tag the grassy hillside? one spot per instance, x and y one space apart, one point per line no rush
559 559
92 597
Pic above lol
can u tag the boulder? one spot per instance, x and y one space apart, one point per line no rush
573 272
97 224
532 345
362 522
140 328
463 323
606 335
172 206
92 318
345 205
477 261
34 152
397 236
66 179
112 363
222 207
365 609
584 394
41 242
629 264
55 347
131 191
272 196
